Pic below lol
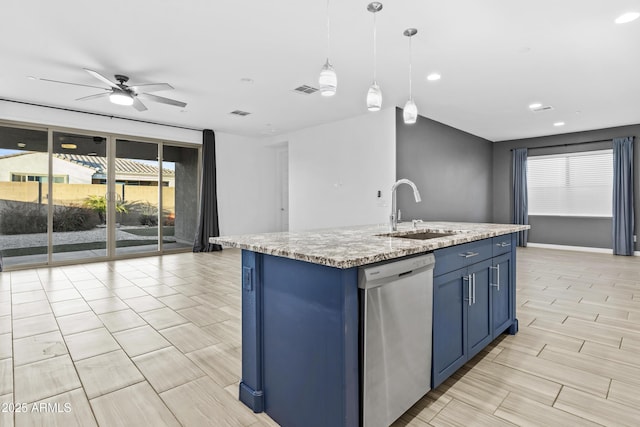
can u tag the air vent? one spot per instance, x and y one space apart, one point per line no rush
308 90
542 108
240 113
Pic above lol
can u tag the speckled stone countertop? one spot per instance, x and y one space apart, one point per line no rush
348 247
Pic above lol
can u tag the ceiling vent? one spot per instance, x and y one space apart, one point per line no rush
542 108
307 90
239 113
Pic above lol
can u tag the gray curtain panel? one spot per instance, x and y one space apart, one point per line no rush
208 216
623 196
520 196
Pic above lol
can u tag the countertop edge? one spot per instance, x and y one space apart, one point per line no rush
412 248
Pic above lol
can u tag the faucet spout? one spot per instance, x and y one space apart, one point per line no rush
393 218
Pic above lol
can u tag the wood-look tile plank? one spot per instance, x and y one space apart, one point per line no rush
6 417
525 412
39 380
38 347
222 362
202 401
460 414
620 356
69 409
163 318
596 409
6 376
595 365
587 331
34 325
90 343
136 405
107 372
140 340
188 337
554 371
64 308
116 321
167 368
79 322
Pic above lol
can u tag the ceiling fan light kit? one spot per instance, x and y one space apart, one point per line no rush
122 94
120 98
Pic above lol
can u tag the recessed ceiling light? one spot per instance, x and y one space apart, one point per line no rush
32 78
246 80
558 124
627 17
535 105
433 77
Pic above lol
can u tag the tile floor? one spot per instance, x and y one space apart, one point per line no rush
156 341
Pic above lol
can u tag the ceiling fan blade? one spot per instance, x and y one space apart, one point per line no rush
98 95
73 84
162 100
102 78
151 87
138 105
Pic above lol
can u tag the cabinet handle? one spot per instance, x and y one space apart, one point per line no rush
468 279
469 254
497 284
503 244
474 288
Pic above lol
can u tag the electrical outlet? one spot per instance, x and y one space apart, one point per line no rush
635 238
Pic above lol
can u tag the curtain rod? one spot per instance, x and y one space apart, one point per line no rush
566 145
98 114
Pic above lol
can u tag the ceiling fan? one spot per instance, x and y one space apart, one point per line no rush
122 94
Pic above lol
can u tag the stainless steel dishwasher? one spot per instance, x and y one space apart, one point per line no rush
396 319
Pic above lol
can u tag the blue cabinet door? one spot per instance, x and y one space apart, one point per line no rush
501 290
479 311
450 292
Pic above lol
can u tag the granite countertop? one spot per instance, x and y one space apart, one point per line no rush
347 247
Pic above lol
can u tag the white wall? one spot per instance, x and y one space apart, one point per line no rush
336 170
247 185
54 117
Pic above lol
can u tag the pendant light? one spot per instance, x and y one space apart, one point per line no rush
410 112
328 79
374 95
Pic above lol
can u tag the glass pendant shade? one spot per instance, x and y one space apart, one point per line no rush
121 98
328 80
374 97
410 112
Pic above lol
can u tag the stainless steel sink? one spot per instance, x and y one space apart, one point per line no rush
423 235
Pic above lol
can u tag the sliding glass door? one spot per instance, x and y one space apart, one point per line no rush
68 196
79 169
137 197
24 194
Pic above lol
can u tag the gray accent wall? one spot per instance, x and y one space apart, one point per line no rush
451 168
588 232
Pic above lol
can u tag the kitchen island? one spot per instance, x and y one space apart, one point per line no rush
301 360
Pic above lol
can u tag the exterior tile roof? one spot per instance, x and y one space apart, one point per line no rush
99 164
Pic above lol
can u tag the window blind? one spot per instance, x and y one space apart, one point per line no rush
571 184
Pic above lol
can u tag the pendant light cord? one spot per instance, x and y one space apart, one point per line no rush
374 48
410 69
328 32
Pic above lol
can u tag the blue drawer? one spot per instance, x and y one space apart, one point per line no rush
459 256
502 244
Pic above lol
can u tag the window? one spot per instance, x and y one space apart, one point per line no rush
21 177
571 184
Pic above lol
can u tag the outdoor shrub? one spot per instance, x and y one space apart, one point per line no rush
23 218
74 218
150 220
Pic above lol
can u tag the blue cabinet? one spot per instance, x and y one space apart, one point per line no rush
472 304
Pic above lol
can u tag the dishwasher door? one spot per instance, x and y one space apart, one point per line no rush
396 320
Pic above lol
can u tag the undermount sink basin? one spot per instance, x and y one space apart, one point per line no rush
423 235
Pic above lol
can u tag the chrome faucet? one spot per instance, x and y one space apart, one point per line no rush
393 218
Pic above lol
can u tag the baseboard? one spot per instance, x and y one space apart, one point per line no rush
575 248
